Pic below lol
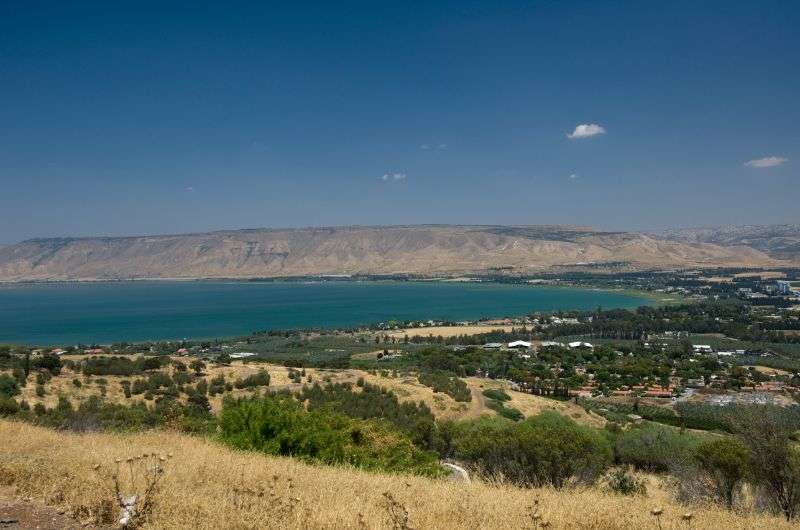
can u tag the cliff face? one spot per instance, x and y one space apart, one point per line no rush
426 250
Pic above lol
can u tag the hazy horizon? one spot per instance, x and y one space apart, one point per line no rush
142 119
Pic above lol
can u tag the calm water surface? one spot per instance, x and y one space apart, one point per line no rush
68 313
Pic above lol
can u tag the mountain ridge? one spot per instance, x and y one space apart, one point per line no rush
425 250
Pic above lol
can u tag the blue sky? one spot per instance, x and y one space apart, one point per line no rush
147 118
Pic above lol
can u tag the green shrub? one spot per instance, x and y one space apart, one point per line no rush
139 386
652 447
8 406
547 449
373 401
725 461
447 382
217 385
279 425
624 482
8 386
123 366
258 379
507 412
497 394
40 392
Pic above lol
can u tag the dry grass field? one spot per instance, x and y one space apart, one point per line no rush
448 331
207 486
405 386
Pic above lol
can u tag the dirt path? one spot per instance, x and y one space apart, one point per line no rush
24 513
457 473
477 406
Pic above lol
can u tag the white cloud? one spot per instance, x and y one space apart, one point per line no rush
386 177
190 188
429 147
573 176
586 130
767 161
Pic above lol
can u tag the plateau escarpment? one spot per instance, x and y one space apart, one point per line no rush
427 250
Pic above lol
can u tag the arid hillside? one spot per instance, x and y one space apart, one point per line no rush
421 250
206 485
778 241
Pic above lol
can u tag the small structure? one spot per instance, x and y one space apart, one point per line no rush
702 348
519 345
579 344
492 346
549 343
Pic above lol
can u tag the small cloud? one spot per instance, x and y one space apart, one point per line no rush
433 147
573 176
386 177
768 161
190 189
586 130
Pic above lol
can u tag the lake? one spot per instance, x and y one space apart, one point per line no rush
102 313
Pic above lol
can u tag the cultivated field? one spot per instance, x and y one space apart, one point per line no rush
207 486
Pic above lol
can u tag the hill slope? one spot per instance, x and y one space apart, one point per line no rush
425 250
778 241
208 486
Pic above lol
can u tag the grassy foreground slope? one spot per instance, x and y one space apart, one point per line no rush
209 486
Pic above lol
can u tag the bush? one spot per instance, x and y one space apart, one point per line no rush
547 449
76 383
8 406
123 366
725 461
497 394
48 362
258 379
139 386
279 425
769 433
217 385
507 412
9 386
416 420
654 448
447 382
624 482
40 392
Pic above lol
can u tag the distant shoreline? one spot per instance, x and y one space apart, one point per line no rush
656 298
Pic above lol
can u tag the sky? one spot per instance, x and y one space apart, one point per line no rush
129 118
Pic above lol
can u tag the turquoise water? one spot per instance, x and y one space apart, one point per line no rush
70 313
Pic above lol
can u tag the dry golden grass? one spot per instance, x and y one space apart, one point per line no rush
448 331
209 486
